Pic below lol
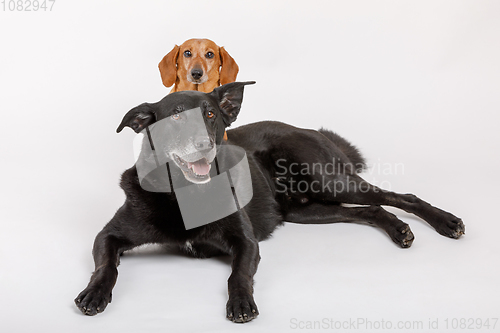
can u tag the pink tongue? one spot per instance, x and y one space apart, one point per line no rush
201 167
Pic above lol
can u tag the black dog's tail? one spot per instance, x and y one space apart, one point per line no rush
347 148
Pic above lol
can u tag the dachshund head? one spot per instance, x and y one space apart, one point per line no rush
197 64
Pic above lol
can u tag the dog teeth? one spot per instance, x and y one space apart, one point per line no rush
192 169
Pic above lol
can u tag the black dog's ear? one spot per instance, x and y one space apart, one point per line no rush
138 118
230 97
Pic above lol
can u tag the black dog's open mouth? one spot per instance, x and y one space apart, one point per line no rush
197 171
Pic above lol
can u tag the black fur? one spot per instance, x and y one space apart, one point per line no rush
272 149
347 148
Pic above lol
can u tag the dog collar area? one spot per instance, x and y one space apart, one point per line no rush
169 152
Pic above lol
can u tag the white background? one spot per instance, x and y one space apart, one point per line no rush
415 83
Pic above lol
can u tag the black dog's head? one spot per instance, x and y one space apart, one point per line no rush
192 147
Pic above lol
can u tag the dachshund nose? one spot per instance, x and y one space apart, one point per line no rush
196 73
203 143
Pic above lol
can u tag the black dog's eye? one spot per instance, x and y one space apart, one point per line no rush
187 53
210 114
176 116
209 55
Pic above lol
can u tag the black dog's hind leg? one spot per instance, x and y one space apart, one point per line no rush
244 247
317 213
106 251
355 190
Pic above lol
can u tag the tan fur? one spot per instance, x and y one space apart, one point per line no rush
175 68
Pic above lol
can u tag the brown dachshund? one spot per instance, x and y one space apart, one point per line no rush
198 64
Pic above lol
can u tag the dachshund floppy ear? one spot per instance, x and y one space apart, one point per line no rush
138 118
229 68
168 67
229 97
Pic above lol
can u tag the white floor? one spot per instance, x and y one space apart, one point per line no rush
341 274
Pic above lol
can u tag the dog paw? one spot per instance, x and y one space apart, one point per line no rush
241 309
403 237
451 226
92 301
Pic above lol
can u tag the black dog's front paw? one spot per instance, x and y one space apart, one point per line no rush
92 300
241 309
451 226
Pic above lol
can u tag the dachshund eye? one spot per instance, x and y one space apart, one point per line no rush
176 117
210 114
187 53
209 55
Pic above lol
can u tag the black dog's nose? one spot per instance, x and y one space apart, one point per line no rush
203 143
196 73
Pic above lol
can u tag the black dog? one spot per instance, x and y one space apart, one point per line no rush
297 175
